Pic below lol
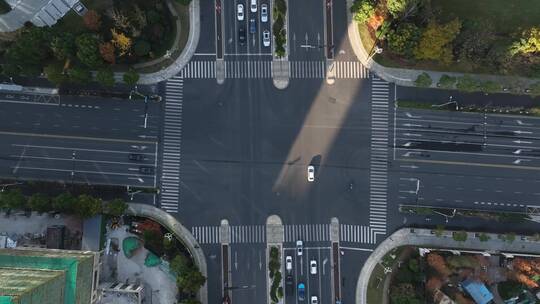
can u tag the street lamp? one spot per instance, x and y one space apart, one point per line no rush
376 50
447 103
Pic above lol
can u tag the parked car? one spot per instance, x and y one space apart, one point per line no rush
240 12
299 247
253 6
313 267
266 38
310 173
289 284
146 170
242 35
264 13
288 263
301 292
314 300
252 26
136 157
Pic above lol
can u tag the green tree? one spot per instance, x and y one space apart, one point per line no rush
88 50
80 75
436 41
105 77
141 48
467 84
55 74
13 199
131 77
423 80
116 207
64 202
63 46
363 10
475 39
484 237
459 236
39 202
509 289
404 39
439 230
188 278
529 42
402 8
88 206
447 82
281 7
26 55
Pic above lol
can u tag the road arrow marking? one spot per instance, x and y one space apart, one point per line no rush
412 134
411 116
522 132
409 166
522 142
519 160
521 123
411 125
408 144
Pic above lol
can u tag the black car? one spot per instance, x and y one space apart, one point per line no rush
136 157
146 170
242 35
289 284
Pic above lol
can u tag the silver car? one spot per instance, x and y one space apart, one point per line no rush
266 38
264 13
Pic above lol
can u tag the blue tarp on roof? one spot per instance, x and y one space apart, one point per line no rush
478 291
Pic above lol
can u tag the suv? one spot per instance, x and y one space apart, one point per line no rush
264 13
242 35
252 26
301 292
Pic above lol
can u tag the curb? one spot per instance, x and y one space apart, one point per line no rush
424 237
187 53
181 232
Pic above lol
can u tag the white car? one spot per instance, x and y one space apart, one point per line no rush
264 13
240 12
253 6
266 38
313 267
299 249
310 173
288 263
314 300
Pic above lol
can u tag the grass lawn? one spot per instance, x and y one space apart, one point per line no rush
507 16
375 284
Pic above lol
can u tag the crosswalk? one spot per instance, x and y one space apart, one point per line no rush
172 137
309 233
378 175
242 234
206 234
356 234
263 69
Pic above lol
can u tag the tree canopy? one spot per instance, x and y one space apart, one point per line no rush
435 42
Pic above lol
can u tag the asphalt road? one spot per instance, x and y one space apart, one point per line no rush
306 35
85 141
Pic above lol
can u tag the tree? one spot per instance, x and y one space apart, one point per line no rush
141 48
92 20
509 289
106 50
64 202
529 43
80 75
404 39
436 41
460 236
535 89
402 8
63 46
475 39
433 284
363 10
105 77
26 55
437 262
423 80
121 42
13 199
88 206
131 77
120 20
188 278
467 84
484 237
510 237
55 74
116 207
403 293
439 230
39 202
446 82
88 50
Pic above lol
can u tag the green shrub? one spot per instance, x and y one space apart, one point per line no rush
363 10
105 77
439 230
467 84
131 77
460 236
484 237
141 48
509 289
490 87
423 80
447 82
79 75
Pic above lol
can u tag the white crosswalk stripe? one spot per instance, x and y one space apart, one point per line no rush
380 91
310 232
172 130
206 234
355 234
263 69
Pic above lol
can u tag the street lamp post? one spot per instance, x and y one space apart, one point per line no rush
376 50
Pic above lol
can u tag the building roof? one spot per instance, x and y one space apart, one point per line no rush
19 283
478 291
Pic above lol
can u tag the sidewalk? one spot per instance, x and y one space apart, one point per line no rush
181 232
424 237
406 77
187 53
